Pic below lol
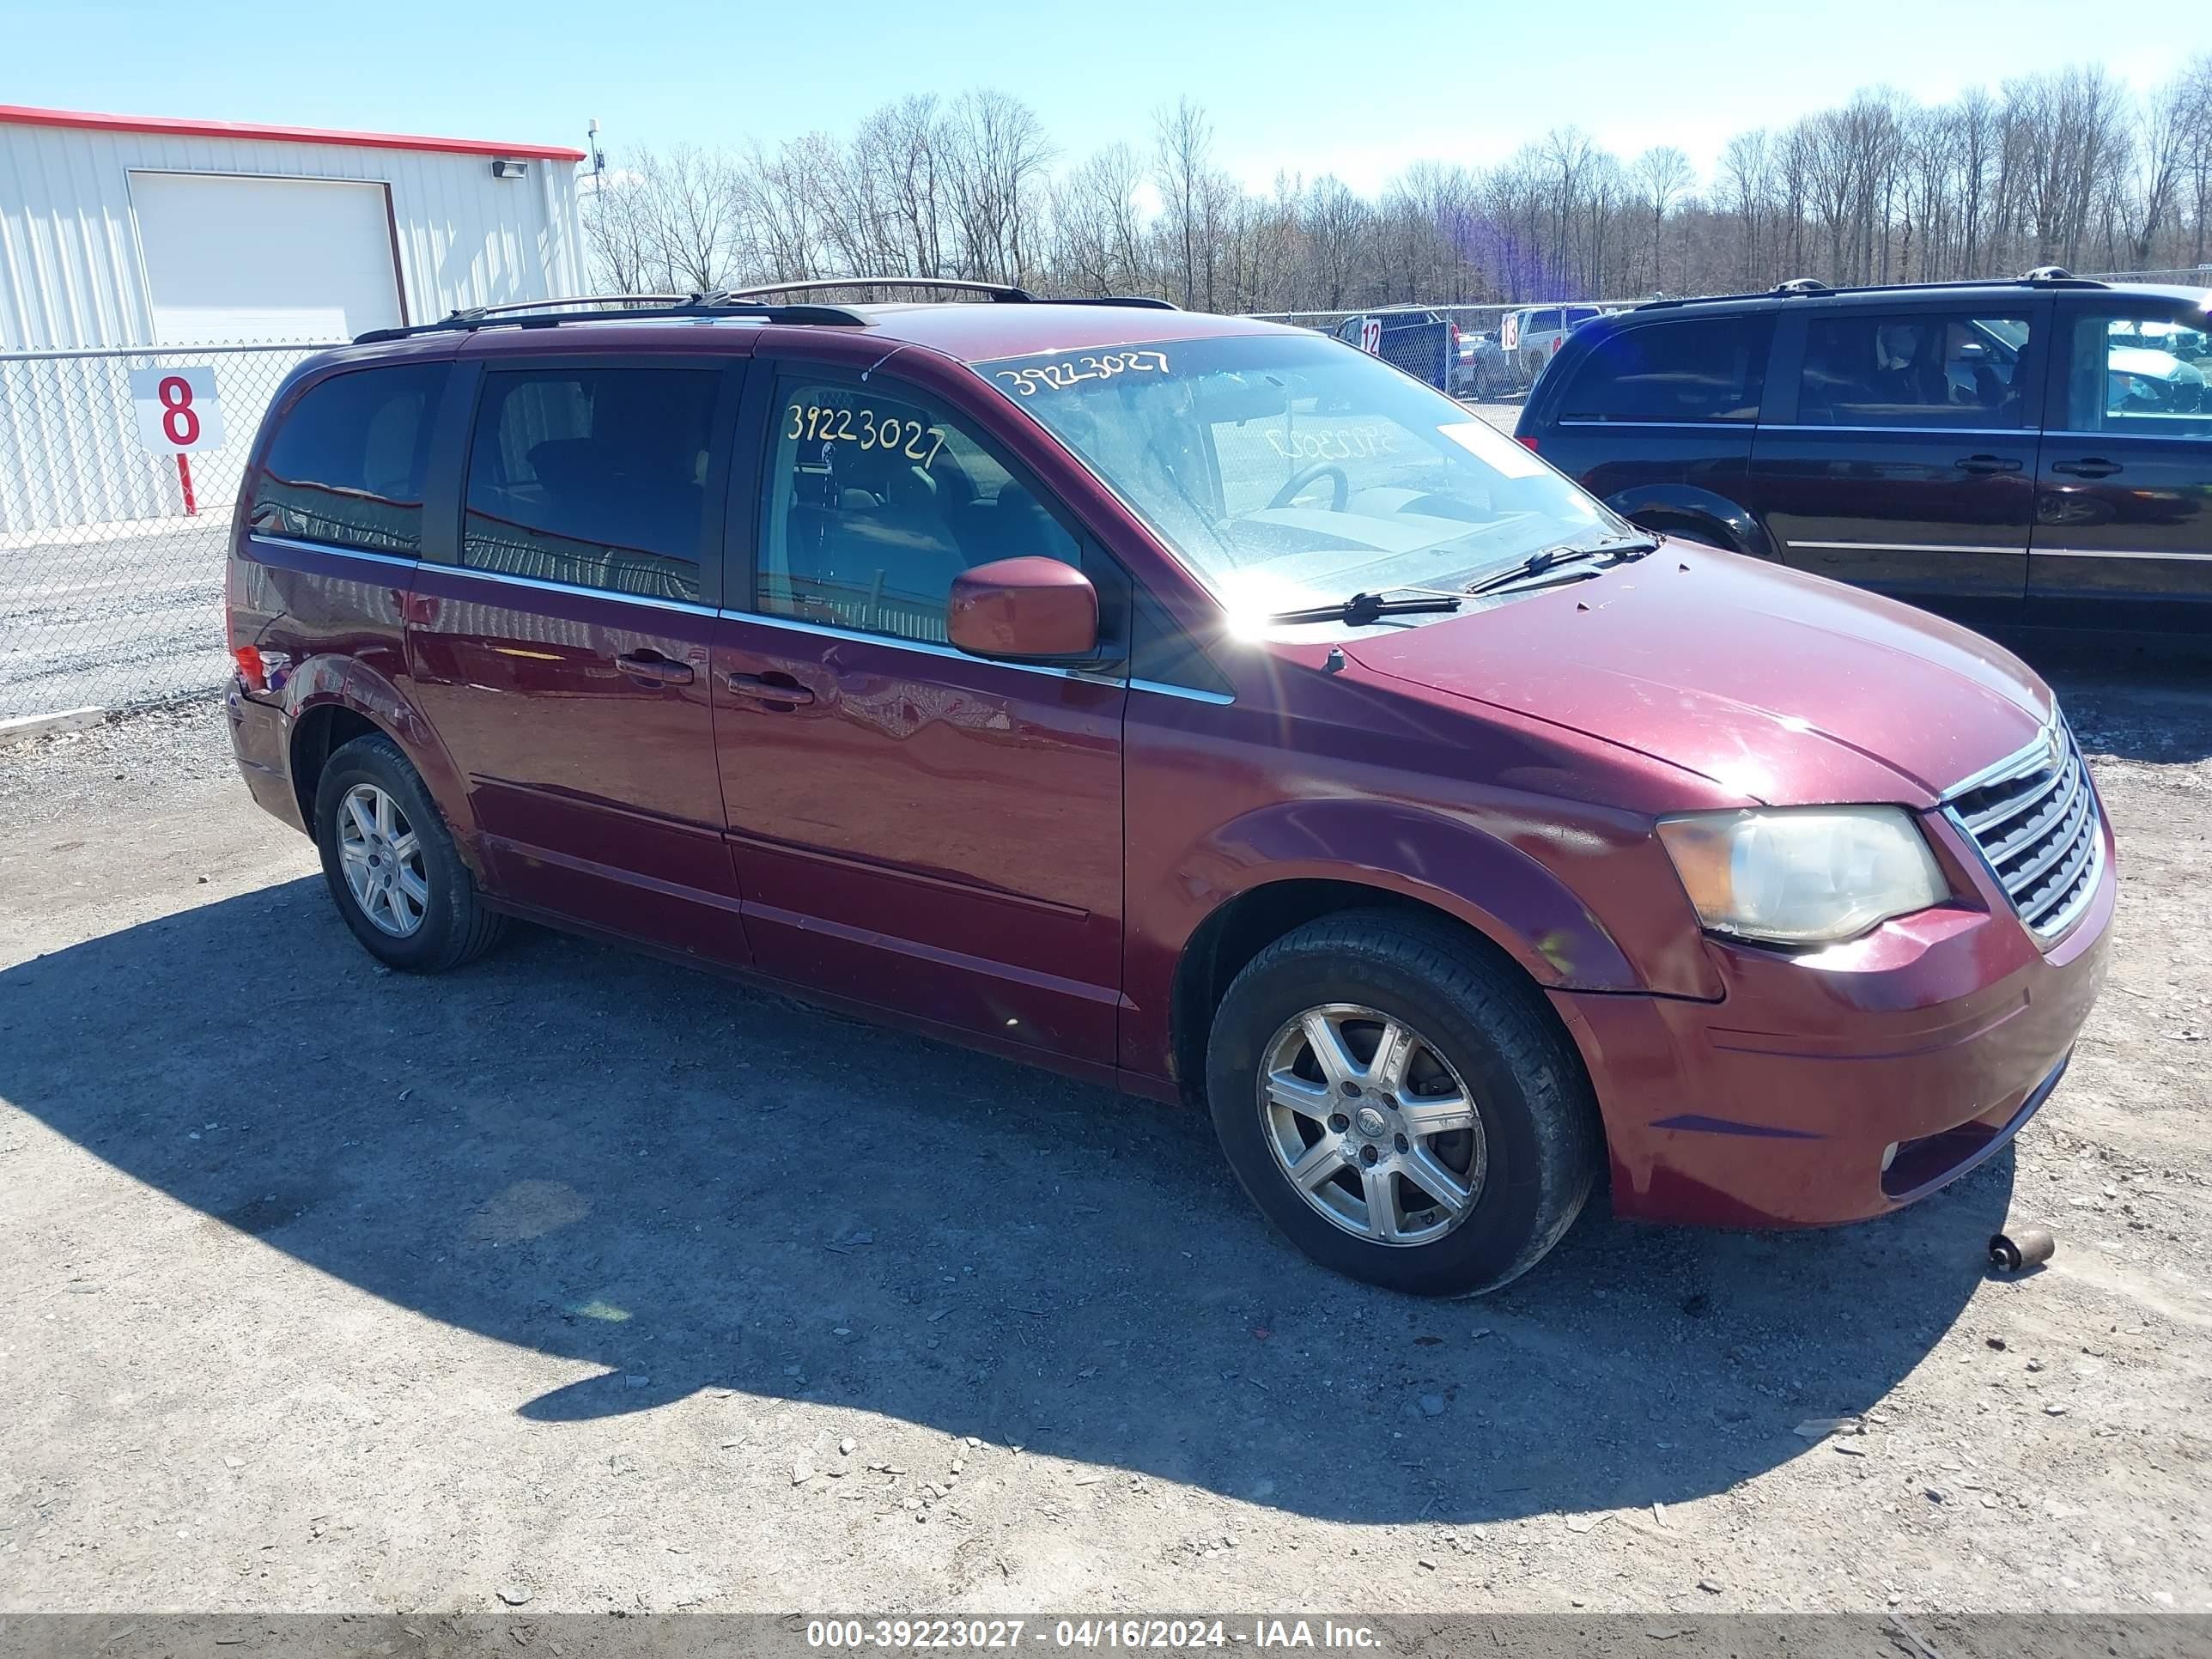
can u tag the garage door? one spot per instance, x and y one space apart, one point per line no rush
232 259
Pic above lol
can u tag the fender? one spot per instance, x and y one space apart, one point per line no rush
1457 868
1494 887
1666 507
349 683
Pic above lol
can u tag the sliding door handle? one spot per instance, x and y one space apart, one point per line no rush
659 669
768 687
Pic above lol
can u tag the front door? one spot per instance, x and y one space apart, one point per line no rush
2123 503
563 658
914 828
1901 454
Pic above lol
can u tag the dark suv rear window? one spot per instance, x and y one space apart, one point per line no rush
591 477
1708 368
346 466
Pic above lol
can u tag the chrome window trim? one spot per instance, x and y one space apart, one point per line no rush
1912 547
1737 423
924 647
337 549
684 607
1189 693
2115 553
2026 434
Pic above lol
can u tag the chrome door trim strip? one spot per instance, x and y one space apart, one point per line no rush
2115 553
2110 436
1909 547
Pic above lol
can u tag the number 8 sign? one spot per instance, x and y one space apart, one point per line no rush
177 408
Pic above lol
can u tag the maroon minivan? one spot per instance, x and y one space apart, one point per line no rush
1188 703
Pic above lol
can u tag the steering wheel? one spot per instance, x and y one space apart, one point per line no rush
1340 498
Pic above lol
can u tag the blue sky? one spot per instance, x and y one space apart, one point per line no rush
1307 89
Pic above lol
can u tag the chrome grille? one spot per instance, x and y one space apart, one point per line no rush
2034 817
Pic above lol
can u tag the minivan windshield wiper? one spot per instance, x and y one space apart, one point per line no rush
1548 559
1362 609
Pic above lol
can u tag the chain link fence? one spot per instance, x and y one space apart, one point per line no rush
112 537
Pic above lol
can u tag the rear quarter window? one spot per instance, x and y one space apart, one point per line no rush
347 463
1705 369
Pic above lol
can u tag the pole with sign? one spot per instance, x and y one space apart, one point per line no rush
178 412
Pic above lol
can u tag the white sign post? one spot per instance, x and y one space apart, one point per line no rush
178 413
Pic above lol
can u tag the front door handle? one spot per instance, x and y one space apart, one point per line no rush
1987 464
762 688
659 669
2090 466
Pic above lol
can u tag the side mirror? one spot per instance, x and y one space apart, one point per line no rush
1028 610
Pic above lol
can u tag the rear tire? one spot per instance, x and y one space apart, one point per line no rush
391 864
1344 1161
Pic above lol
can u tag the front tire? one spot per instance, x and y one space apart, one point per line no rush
1400 1106
391 864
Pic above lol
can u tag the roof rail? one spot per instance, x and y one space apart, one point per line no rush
2058 276
1135 301
620 307
1000 291
1005 293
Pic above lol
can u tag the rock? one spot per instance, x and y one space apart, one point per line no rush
2054 1411
514 1594
848 1446
973 1443
1997 1342
1711 1586
1433 1404
1426 1563
1820 1428
801 1473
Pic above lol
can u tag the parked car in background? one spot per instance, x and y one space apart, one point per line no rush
1484 372
2006 453
1531 337
1422 342
1187 703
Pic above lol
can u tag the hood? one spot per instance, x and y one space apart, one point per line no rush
1785 688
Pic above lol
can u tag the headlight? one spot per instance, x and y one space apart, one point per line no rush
1807 875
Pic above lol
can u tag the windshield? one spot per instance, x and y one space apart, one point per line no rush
1288 469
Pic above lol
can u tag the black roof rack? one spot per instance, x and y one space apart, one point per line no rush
1001 292
1801 287
617 307
728 302
1006 292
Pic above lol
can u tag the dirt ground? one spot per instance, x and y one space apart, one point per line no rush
581 1282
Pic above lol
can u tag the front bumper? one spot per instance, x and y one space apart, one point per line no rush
1939 1034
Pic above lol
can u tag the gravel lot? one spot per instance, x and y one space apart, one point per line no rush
580 1278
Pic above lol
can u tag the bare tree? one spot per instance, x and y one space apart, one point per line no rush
1662 175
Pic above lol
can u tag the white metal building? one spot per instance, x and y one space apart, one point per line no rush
123 230
135 242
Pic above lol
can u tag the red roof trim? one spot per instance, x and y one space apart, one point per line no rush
83 120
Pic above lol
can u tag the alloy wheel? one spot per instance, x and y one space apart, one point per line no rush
382 859
1371 1125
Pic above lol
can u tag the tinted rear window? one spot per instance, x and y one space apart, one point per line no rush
1709 369
592 478
347 463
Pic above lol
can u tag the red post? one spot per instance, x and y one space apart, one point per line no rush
184 477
